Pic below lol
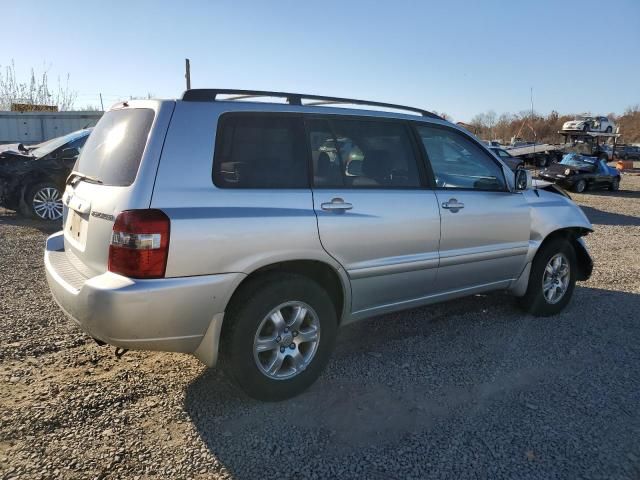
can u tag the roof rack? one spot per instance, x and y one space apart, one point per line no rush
210 94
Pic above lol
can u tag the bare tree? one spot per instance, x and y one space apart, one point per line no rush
490 120
34 91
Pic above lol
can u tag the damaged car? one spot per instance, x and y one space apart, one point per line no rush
580 172
32 178
587 123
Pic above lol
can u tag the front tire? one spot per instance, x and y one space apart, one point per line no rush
552 279
580 186
278 336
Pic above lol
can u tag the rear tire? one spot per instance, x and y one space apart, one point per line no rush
282 369
615 184
537 300
44 202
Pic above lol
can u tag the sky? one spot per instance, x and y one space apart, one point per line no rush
461 57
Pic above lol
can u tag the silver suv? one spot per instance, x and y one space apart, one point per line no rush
229 227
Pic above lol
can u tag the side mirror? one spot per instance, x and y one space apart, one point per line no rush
70 153
523 179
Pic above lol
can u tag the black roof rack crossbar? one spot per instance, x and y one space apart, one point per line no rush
210 94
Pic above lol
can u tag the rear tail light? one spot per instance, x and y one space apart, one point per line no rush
140 244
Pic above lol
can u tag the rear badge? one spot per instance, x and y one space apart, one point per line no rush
104 216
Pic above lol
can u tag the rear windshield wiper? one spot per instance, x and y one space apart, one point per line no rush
76 177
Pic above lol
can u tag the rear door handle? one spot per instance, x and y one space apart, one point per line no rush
453 205
336 205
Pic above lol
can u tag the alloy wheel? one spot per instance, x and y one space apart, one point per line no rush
555 280
47 203
286 340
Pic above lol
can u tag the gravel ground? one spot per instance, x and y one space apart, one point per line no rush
467 389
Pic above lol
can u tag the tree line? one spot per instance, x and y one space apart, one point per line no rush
544 128
36 90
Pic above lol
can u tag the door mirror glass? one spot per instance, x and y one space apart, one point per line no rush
523 179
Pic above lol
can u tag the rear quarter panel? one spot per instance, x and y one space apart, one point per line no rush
217 230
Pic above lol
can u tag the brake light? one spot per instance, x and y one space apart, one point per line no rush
140 244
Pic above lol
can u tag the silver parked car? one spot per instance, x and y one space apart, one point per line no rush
223 228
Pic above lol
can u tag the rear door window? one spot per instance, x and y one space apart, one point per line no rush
260 151
114 149
350 153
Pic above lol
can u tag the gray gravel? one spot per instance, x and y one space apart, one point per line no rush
467 389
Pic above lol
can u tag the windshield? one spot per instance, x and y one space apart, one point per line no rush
114 150
47 147
574 160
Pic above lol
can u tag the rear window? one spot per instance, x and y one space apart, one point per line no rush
260 151
114 149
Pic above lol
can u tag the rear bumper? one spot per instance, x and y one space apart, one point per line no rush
169 314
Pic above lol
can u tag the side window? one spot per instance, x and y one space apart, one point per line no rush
260 151
362 154
457 162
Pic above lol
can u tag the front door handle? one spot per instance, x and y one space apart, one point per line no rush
336 205
453 205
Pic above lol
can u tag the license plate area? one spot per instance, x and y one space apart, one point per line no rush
75 230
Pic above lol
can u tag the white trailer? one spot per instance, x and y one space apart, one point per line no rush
587 143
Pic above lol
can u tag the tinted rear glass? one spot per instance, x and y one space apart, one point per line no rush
260 151
114 149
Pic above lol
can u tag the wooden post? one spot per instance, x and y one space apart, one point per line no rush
187 74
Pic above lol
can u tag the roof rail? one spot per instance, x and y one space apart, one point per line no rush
210 94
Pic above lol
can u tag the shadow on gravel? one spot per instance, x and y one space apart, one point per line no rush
616 194
600 217
8 217
470 384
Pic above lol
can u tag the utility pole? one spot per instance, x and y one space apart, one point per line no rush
101 104
187 75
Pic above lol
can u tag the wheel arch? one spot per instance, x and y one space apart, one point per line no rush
334 281
30 183
574 235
